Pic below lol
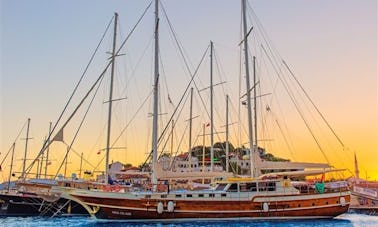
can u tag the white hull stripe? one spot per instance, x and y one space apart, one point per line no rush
215 211
260 198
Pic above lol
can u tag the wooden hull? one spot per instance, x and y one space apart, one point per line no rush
258 207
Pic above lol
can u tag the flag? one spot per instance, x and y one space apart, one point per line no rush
322 179
98 152
1 168
208 124
59 136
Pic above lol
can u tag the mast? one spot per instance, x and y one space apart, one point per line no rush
190 129
11 166
41 166
81 164
356 171
250 132
211 110
203 152
36 172
47 151
254 101
111 100
26 150
227 143
171 157
156 95
66 163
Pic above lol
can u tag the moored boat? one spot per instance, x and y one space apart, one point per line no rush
270 196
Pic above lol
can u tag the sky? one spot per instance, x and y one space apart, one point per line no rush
330 45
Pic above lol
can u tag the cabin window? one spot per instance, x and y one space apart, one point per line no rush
251 187
200 195
223 195
211 195
271 186
178 196
262 186
233 188
243 187
189 195
220 187
163 196
148 197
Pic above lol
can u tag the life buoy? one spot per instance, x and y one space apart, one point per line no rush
170 206
160 208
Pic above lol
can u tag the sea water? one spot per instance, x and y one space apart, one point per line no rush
348 219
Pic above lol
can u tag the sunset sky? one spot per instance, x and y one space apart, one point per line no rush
331 46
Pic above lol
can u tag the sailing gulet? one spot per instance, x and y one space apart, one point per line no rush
270 197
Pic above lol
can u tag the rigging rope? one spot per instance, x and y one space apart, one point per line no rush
297 108
10 149
182 97
313 104
48 141
124 129
78 129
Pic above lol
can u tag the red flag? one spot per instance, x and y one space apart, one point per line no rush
322 179
99 152
208 124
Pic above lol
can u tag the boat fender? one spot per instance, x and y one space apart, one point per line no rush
160 208
170 206
342 201
265 207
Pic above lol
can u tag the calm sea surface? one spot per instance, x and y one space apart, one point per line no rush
348 219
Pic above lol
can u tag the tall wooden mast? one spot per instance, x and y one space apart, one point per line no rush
47 151
111 99
26 151
156 95
11 166
246 62
227 142
211 109
190 129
